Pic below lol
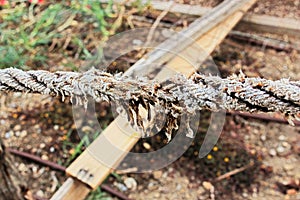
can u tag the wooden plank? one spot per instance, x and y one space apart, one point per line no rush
270 24
254 22
197 29
72 189
260 23
87 168
210 40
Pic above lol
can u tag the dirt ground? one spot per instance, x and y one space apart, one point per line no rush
275 145
44 127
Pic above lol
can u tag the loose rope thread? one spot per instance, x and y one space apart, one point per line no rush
172 98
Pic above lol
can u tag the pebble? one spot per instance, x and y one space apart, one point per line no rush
34 169
291 192
280 149
121 187
281 138
146 145
157 174
42 145
288 167
286 145
40 193
272 152
156 195
45 157
130 183
165 175
17 127
152 186
8 134
22 167
178 187
207 185
37 128
86 129
200 191
52 149
56 127
17 133
260 54
23 133
263 138
245 194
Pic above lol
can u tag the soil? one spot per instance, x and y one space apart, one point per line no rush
44 127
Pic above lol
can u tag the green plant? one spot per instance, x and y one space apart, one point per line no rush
33 34
98 194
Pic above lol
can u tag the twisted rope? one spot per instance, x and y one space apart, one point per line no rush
173 97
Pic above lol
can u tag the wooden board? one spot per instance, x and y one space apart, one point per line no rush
260 23
269 24
87 168
254 22
72 189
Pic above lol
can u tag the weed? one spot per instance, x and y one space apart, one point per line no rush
98 194
38 34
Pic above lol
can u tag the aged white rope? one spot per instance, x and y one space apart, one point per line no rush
173 97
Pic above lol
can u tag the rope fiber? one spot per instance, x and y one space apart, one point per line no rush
174 97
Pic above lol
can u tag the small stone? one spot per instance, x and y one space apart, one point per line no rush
146 145
286 145
17 133
288 167
86 129
56 127
52 149
8 134
42 145
260 54
207 185
157 174
272 152
130 183
281 138
22 167
200 191
17 127
156 195
165 175
40 193
263 138
45 157
152 186
178 187
23 133
34 169
280 149
244 194
291 192
121 187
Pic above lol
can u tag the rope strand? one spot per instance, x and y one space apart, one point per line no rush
173 97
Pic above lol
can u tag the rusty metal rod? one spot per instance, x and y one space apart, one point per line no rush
263 117
58 167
